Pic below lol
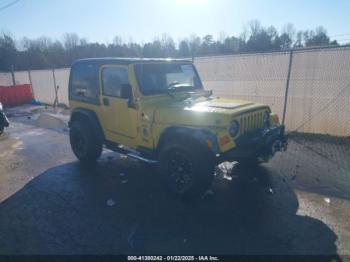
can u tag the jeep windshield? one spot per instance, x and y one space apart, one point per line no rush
160 78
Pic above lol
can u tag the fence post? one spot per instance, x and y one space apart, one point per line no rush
287 85
30 82
13 75
55 103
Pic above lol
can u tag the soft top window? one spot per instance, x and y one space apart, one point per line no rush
84 83
113 78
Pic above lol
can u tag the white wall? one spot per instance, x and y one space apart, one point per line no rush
5 79
22 77
43 85
319 89
62 79
260 78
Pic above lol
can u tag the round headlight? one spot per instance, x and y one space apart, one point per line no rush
234 128
266 118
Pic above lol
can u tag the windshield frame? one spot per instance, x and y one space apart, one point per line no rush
165 92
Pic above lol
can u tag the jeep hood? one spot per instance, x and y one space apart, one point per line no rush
219 104
203 111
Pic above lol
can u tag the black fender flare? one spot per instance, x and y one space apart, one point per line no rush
91 117
199 135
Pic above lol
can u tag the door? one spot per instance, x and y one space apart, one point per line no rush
119 119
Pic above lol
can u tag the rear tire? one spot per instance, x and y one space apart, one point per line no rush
84 142
186 167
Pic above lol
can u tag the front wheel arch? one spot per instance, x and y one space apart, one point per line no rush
192 135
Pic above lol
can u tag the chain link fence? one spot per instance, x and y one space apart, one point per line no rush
312 89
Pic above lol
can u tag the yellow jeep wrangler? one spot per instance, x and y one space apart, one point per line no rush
157 111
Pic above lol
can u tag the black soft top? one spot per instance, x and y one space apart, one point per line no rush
125 60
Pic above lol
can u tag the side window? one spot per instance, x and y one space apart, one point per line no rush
84 83
113 78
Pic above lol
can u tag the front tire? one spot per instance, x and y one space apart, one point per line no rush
186 168
84 142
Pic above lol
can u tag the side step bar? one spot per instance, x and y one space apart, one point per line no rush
141 158
130 153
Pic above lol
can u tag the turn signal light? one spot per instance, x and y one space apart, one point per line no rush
224 140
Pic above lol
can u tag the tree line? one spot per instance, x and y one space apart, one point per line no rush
45 53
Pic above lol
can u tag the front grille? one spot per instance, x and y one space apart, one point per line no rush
251 122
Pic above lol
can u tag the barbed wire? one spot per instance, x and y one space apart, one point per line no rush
8 5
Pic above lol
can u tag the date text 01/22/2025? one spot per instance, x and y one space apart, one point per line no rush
173 258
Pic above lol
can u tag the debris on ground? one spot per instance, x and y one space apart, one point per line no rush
131 236
209 192
271 191
327 200
35 102
227 177
225 170
52 121
110 202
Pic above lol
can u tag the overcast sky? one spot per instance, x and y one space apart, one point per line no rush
142 20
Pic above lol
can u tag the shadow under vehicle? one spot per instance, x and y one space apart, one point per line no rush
118 207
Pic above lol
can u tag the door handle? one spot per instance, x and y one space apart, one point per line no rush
106 101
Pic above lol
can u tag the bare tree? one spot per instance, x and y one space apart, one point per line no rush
71 40
194 43
118 41
289 30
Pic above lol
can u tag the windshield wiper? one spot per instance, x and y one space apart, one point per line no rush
172 89
179 86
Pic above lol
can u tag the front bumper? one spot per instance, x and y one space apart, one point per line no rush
263 143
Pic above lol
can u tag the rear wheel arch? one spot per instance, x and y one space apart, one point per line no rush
89 116
84 142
